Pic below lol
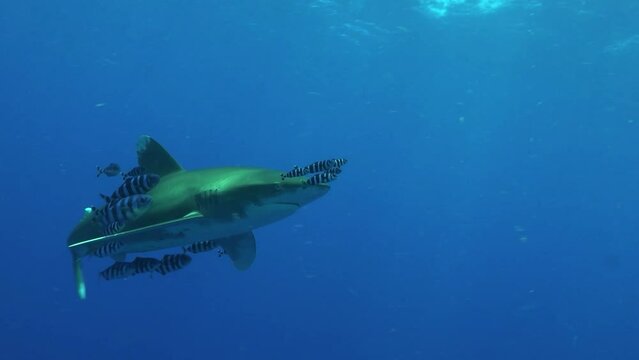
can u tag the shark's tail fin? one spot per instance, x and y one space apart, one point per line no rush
79 277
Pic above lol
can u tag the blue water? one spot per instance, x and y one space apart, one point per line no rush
489 209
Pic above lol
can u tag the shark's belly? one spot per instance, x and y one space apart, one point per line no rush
190 229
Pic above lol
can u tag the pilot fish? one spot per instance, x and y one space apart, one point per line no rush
321 166
110 170
316 167
324 177
136 171
339 162
135 185
108 249
144 264
118 270
201 246
172 263
112 228
295 172
122 210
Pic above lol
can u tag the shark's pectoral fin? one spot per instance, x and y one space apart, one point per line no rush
79 278
240 248
154 158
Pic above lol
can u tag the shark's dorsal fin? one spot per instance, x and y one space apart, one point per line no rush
240 248
154 158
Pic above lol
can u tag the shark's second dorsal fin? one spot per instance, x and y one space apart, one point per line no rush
154 159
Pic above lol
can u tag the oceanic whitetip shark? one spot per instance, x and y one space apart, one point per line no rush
222 204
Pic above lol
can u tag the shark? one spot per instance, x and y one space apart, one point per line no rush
224 204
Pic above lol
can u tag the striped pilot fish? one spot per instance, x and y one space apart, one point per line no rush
112 228
118 270
295 172
172 263
136 171
108 249
321 166
325 177
144 265
201 246
316 167
339 162
122 210
325 165
134 185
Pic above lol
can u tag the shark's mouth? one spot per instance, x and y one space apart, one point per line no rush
288 203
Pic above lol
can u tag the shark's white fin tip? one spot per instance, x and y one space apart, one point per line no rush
240 248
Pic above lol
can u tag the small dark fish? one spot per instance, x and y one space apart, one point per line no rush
112 169
201 246
122 210
136 171
119 270
108 249
322 178
172 263
144 265
134 185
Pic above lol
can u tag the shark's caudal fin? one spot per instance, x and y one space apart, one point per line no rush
79 278
154 158
240 248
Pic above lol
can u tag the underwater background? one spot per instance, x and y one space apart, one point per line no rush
489 209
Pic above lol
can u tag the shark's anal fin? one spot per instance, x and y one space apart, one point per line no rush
154 158
240 248
79 278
